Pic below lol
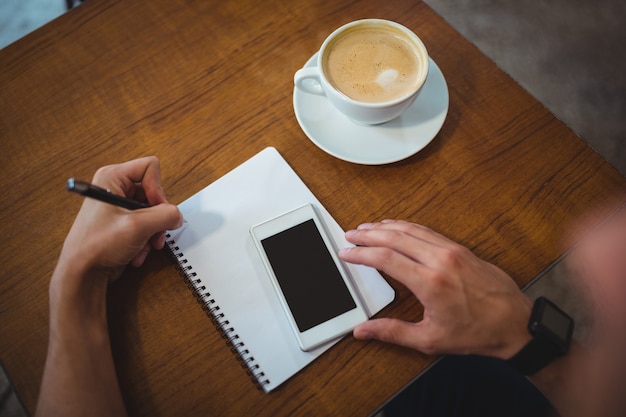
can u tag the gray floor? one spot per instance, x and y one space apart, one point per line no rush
20 17
567 54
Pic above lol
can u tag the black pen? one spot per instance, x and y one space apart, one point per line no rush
93 191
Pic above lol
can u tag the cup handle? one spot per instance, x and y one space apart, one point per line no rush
308 79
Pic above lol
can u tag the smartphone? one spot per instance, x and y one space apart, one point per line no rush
310 280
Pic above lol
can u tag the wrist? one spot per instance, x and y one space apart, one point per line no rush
551 330
516 334
78 292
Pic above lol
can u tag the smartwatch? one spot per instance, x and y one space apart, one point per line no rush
551 329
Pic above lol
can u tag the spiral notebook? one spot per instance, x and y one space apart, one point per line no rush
218 259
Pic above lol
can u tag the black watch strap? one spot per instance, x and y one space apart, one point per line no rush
552 330
534 356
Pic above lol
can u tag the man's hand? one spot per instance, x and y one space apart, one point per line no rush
79 376
106 237
470 306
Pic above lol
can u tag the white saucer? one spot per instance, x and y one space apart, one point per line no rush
380 144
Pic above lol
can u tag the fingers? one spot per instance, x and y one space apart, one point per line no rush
106 236
143 173
467 302
140 258
407 252
399 332
158 241
400 267
156 219
410 229
151 224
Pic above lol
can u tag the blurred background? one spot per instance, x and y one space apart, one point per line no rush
568 54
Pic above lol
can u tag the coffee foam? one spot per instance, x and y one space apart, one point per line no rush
372 64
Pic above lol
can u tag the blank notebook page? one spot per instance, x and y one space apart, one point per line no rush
216 252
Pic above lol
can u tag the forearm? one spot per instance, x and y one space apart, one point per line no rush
79 376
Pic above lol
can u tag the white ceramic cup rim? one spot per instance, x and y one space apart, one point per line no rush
419 45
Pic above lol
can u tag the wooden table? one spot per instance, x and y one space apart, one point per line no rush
206 84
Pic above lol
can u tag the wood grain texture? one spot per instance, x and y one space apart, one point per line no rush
205 85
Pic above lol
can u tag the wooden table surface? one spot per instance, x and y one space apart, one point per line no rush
205 85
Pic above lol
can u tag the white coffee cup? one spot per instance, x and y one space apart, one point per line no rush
371 70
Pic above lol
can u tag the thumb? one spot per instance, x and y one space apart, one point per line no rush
394 331
154 221
159 218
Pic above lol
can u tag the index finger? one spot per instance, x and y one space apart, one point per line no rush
124 176
413 229
422 246
395 264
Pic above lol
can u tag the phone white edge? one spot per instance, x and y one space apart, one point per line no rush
328 330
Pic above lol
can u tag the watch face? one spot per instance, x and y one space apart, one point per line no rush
553 323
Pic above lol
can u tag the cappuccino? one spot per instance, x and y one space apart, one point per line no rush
373 64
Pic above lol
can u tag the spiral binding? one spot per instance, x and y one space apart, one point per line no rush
212 309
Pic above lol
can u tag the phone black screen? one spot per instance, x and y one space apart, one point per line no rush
307 275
